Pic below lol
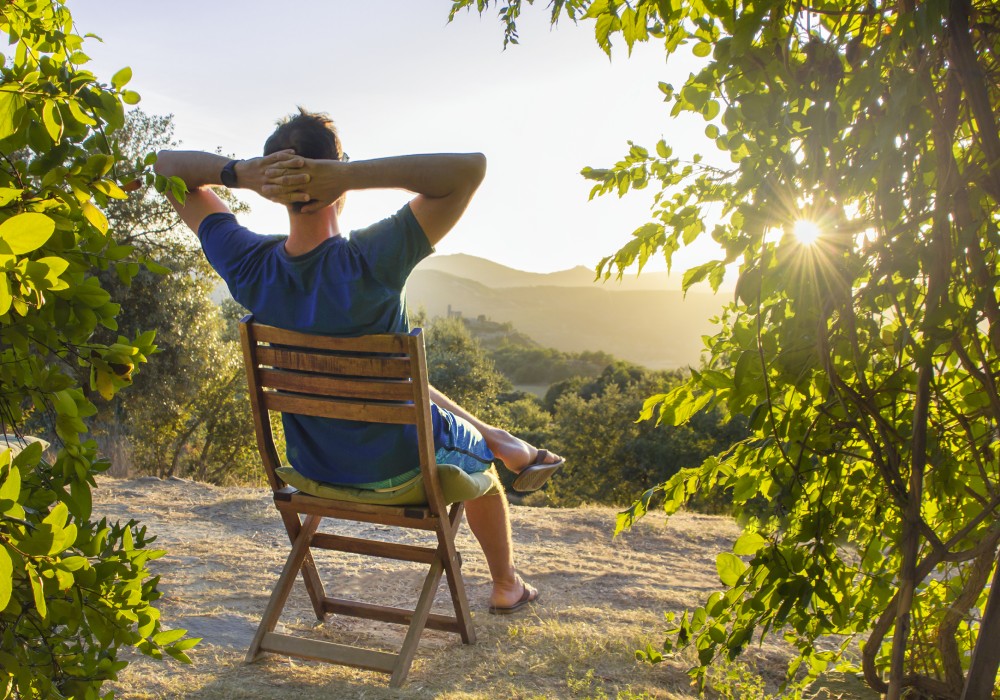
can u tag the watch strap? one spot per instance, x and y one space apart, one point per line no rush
228 174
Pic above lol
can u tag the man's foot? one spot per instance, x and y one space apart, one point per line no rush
505 601
534 477
533 466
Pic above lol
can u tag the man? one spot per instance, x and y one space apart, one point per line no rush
316 280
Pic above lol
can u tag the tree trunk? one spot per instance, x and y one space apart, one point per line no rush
982 676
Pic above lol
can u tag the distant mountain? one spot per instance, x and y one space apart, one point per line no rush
500 276
658 329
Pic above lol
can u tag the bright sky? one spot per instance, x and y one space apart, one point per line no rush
397 78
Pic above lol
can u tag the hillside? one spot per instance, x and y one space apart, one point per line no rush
499 276
601 599
658 329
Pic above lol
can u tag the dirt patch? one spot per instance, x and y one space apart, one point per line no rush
601 599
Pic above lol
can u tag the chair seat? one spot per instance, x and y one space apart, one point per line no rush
456 486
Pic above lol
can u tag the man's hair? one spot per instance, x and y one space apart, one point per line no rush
309 134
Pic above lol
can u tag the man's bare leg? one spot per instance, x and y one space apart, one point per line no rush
489 519
515 453
489 516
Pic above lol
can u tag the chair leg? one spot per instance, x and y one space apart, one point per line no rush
417 623
300 549
310 576
456 584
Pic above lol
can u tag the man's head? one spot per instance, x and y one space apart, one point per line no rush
309 134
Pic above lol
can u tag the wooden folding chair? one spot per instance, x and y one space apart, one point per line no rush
378 378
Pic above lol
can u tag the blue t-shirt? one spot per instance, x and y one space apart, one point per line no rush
343 287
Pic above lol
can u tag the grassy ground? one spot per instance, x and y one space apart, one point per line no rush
601 599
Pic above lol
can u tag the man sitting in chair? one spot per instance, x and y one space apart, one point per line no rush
316 280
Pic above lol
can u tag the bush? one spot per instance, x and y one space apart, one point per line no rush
73 591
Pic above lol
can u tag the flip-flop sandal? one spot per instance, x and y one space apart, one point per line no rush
526 598
533 477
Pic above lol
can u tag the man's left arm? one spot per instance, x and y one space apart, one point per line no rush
201 171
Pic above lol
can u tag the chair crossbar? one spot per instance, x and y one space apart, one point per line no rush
318 650
417 518
382 613
375 548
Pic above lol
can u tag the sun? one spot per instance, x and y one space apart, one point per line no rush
807 232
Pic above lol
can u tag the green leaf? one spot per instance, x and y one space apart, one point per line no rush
164 638
11 109
92 295
130 98
37 591
121 78
698 274
730 568
10 489
26 232
6 577
95 216
52 119
9 194
748 544
5 294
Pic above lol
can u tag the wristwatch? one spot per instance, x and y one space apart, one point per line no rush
228 175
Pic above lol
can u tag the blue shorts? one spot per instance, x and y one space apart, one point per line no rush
462 445
457 442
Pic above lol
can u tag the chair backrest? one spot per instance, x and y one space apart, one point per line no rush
375 378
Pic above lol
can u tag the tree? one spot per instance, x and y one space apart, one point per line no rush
189 414
73 590
458 366
609 455
866 361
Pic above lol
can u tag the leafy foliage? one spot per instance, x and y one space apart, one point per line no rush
72 591
609 455
866 362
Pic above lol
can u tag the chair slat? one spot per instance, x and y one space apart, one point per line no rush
398 413
385 343
309 383
285 358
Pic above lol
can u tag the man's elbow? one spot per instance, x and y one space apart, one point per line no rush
477 169
165 164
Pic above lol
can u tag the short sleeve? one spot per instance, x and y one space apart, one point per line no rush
227 245
393 247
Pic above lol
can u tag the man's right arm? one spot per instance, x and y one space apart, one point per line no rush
201 171
444 184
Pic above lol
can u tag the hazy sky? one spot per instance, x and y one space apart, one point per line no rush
397 78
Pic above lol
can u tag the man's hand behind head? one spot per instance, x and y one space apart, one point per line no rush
313 184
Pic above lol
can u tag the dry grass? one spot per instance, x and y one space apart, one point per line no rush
602 599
